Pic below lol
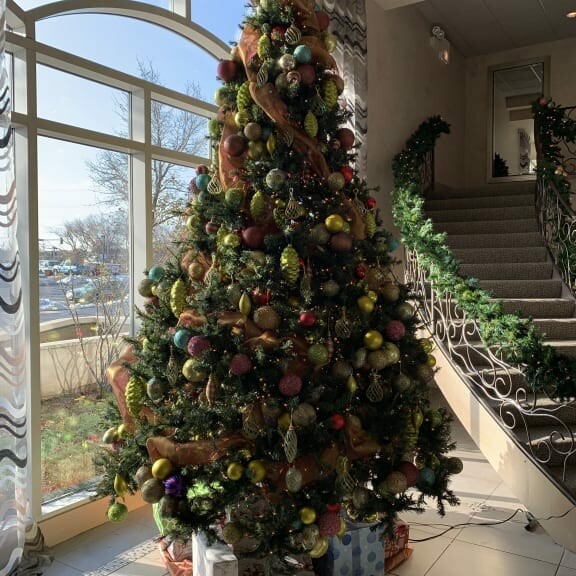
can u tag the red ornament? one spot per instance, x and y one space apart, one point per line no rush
240 364
227 70
234 145
262 298
307 319
360 272
347 172
337 421
410 471
370 203
323 20
253 237
307 74
290 385
346 138
334 507
193 189
277 34
329 524
395 330
211 227
202 169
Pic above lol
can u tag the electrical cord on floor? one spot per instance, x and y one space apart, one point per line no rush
532 523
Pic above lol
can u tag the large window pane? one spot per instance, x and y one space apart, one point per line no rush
170 190
83 305
81 102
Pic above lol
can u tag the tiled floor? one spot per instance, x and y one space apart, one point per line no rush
504 550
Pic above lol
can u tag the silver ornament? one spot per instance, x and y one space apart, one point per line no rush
291 444
293 479
287 62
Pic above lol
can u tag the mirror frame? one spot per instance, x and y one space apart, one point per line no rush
545 60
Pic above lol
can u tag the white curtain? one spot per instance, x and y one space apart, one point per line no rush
21 542
348 24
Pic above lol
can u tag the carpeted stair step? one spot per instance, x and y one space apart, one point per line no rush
516 271
536 308
516 239
475 202
539 439
494 190
500 255
556 328
522 289
489 227
483 214
566 347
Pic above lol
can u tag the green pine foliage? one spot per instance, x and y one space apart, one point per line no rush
290 382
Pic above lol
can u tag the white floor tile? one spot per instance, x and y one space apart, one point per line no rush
563 571
512 537
59 569
424 555
569 560
471 560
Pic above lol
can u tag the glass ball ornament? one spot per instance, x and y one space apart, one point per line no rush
275 179
202 181
336 181
293 479
287 62
155 273
330 288
302 54
303 415
334 223
307 515
331 42
427 476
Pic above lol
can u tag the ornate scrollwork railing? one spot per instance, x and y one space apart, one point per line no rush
492 380
556 217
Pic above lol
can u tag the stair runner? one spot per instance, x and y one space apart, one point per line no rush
493 232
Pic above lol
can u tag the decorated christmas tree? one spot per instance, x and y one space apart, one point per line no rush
277 379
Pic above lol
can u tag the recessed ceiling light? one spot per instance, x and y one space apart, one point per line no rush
571 14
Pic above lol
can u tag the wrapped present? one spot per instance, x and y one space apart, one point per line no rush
177 557
394 561
215 559
255 567
393 546
360 551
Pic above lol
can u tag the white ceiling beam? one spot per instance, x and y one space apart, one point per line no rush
392 4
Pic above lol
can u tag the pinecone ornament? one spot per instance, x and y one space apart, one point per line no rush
243 98
330 93
134 394
178 294
311 125
290 264
264 46
370 224
258 205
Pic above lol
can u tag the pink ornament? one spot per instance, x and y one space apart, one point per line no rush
290 385
410 471
253 237
323 20
240 364
544 100
227 70
193 189
395 331
197 345
329 524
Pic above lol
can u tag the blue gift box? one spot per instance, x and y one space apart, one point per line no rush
360 552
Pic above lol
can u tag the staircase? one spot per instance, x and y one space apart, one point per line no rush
529 438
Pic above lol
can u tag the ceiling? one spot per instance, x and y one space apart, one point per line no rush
478 27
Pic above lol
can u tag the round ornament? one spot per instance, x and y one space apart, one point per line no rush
331 42
330 288
256 471
334 223
405 311
202 181
302 54
320 234
431 360
275 179
329 524
392 352
181 338
348 173
277 34
155 273
395 331
235 471
220 96
162 468
307 74
435 418
240 364
410 471
360 497
231 533
424 373
310 535
293 79
287 62
346 138
211 227
231 240
253 131
454 465
227 70
117 512
377 360
281 82
154 389
174 485
290 385
307 319
253 237
360 272
142 474
390 292
341 369
307 515
336 181
145 287
234 197
196 271
373 340
365 304
202 169
370 203
293 479
342 242
152 490
323 20
234 145
303 415
266 318
318 354
337 421
197 345
426 345
242 118
427 476
401 382
396 483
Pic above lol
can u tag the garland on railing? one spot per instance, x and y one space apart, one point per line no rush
553 127
514 337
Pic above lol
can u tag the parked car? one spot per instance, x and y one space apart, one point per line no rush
102 289
65 268
46 267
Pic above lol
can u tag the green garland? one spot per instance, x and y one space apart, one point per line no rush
515 338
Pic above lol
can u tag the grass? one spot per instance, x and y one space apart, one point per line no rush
70 436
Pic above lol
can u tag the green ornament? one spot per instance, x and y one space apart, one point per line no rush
234 197
311 125
178 295
370 221
243 98
134 395
318 354
264 46
330 93
258 205
290 265
118 512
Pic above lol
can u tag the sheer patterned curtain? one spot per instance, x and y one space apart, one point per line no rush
348 24
21 541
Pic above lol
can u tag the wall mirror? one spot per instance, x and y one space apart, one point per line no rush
513 89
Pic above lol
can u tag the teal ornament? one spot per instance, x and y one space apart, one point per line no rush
155 273
393 244
154 389
266 131
203 196
202 181
181 338
303 54
427 476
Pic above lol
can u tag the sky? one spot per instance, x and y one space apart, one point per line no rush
65 189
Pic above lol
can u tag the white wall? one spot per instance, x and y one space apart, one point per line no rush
562 88
407 84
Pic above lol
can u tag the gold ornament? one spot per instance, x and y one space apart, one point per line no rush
258 205
291 444
263 74
231 533
134 394
235 471
290 264
264 46
212 388
375 390
351 385
293 34
292 210
311 125
370 222
243 98
242 118
342 327
334 223
331 43
330 93
271 144
365 304
178 294
256 471
373 340
306 289
307 515
245 304
336 181
266 318
320 548
120 486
